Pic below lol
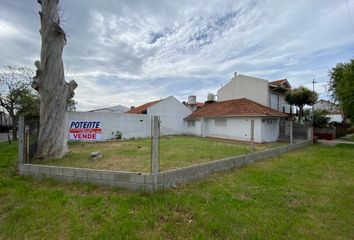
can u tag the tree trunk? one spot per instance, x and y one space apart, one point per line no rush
300 113
14 126
50 84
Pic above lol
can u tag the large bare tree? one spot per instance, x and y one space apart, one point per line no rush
50 83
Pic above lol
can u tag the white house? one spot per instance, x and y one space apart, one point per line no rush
267 93
171 112
334 112
115 109
133 124
231 119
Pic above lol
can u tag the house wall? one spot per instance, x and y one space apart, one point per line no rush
335 117
171 112
242 86
325 105
238 128
270 129
130 125
277 101
193 130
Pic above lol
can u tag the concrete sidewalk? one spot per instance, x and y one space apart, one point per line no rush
335 142
3 137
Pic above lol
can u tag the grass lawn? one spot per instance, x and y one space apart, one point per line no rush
306 194
134 155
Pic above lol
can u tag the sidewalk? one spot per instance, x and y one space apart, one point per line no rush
338 141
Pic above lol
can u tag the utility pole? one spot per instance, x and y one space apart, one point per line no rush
313 85
313 109
313 90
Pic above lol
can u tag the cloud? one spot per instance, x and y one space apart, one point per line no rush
128 52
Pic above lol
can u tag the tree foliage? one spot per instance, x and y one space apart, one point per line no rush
15 95
341 86
71 105
28 104
300 97
320 118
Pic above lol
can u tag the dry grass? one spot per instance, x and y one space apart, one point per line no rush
134 155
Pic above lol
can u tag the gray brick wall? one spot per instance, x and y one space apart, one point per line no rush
145 182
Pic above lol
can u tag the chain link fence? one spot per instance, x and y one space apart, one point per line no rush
300 131
206 140
128 145
31 132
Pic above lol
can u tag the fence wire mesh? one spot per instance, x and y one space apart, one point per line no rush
127 145
30 138
185 143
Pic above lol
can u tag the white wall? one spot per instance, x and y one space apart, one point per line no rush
335 117
193 130
277 101
238 128
131 125
243 86
171 112
270 129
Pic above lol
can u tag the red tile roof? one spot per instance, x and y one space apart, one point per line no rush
235 107
279 83
200 104
142 108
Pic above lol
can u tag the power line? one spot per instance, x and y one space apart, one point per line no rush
349 15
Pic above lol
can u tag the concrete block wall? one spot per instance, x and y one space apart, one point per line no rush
174 177
146 181
129 180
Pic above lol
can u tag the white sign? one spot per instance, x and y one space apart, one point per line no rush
85 130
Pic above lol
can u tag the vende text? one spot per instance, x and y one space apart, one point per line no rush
92 136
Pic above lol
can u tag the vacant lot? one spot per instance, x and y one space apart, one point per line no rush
306 194
134 155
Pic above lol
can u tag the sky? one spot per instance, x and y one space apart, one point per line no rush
130 52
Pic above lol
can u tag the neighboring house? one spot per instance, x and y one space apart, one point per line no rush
171 113
267 93
116 109
334 112
5 120
327 105
231 119
192 103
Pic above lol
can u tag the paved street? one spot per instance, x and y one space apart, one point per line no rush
3 137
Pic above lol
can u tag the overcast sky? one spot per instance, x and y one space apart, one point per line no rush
130 52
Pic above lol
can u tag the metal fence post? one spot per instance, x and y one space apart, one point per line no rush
291 133
155 148
252 136
21 138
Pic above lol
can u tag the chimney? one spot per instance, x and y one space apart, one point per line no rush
235 74
192 100
210 99
132 107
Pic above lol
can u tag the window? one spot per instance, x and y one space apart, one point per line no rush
274 101
268 121
191 123
220 122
